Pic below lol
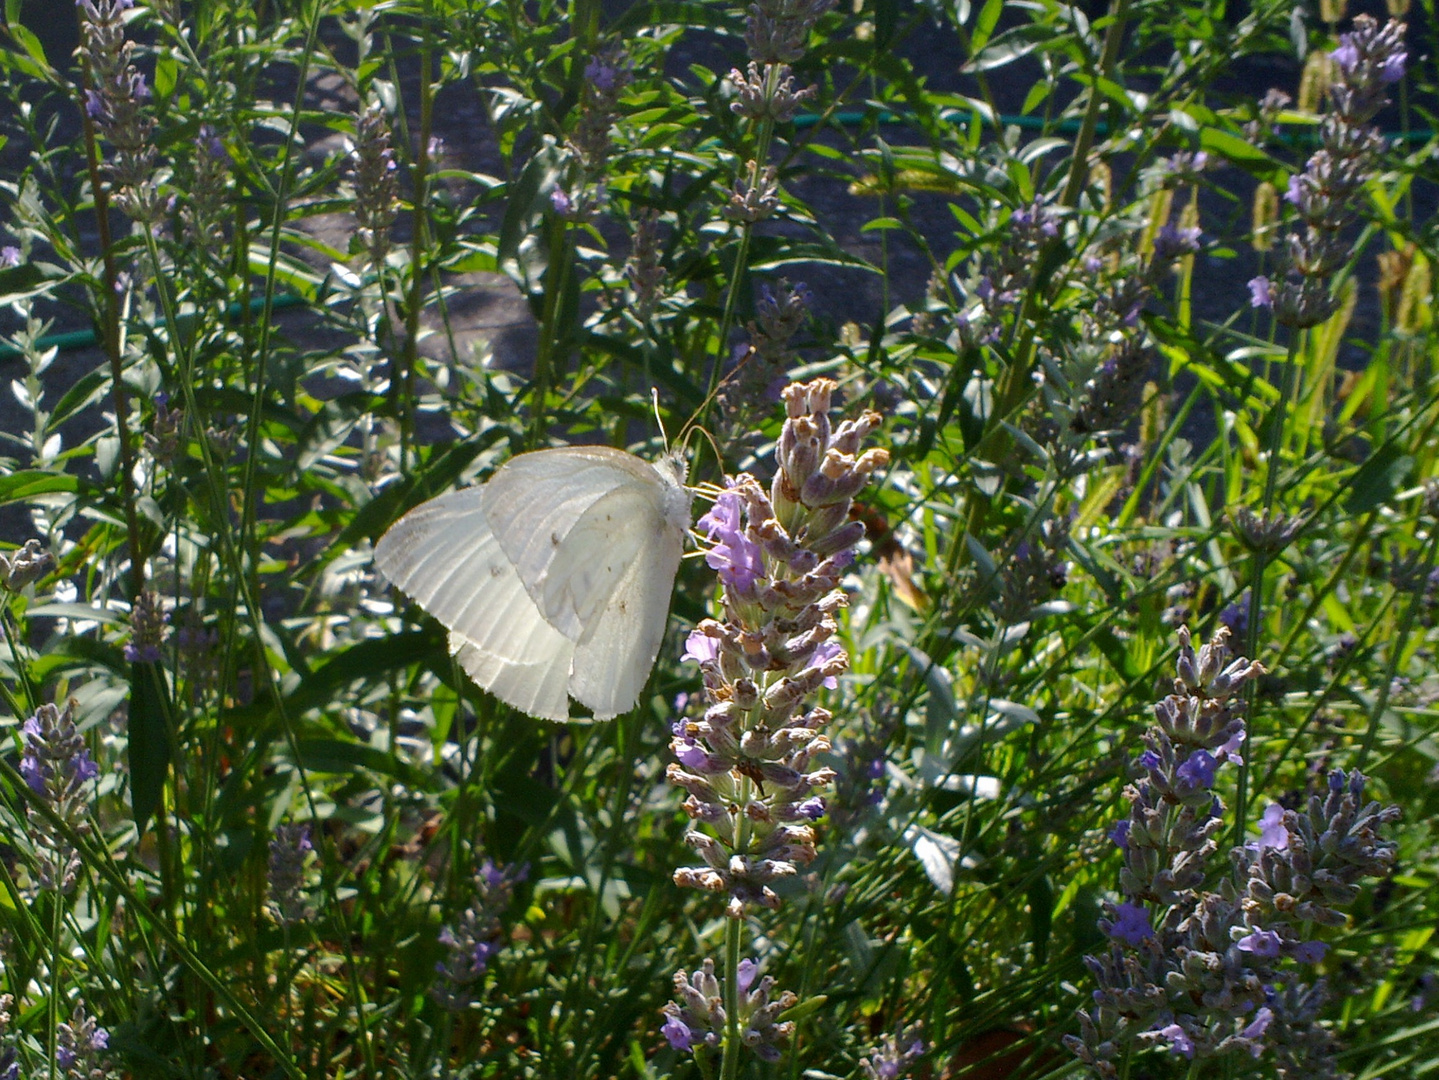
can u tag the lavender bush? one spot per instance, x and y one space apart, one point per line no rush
1050 690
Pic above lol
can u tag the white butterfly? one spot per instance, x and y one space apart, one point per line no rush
554 577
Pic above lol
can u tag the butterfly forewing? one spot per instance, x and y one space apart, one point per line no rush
535 499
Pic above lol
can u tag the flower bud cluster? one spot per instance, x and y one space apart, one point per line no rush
1325 195
148 629
755 384
768 93
115 99
606 76
749 763
756 198
25 566
894 1055
644 269
79 1045
162 441
777 31
700 1021
57 765
1306 866
203 217
476 936
1201 971
377 183
1263 532
1113 395
1035 571
289 853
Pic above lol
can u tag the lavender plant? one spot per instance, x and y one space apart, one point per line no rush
316 312
1200 958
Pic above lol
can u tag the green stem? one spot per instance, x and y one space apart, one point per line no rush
57 915
544 356
1261 560
734 930
126 455
420 233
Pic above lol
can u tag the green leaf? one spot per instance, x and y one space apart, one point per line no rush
148 748
984 25
1377 480
345 756
19 486
1041 917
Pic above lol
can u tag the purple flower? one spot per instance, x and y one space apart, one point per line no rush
1393 69
1273 833
700 647
1265 944
1132 924
1295 191
1149 760
745 977
1198 770
83 768
1309 952
1260 292
603 75
678 1033
735 556
9 256
812 808
1346 57
561 201
1260 1024
1120 834
1178 1039
823 653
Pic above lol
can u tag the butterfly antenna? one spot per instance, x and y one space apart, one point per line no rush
699 429
693 421
660 420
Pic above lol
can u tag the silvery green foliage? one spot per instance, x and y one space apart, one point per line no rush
749 764
25 566
1326 194
1212 974
699 1020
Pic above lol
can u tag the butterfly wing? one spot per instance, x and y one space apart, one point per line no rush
445 555
571 520
613 658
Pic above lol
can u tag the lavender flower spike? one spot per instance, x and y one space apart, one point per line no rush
57 766
1218 971
474 938
749 764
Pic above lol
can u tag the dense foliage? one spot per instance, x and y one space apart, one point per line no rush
1117 747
